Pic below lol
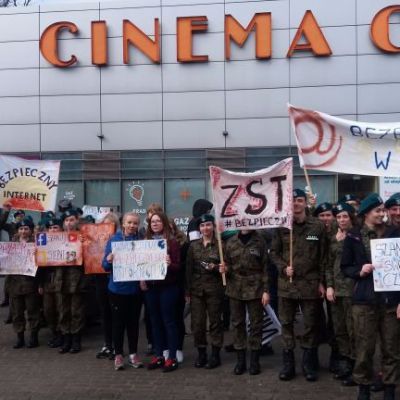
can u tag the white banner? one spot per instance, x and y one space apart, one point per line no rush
385 254
271 325
17 258
256 200
139 260
388 185
28 184
334 144
98 213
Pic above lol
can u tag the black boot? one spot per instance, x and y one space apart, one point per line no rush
201 359
363 392
344 368
389 392
56 340
334 363
215 359
66 347
288 371
255 368
348 380
310 365
240 366
33 341
20 341
76 343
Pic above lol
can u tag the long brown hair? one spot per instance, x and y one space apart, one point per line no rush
166 228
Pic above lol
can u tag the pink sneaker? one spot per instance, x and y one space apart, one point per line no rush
134 361
119 362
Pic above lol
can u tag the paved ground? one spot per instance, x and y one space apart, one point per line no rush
43 374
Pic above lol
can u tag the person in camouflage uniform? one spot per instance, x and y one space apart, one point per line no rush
24 295
339 291
300 284
72 304
374 313
206 292
246 260
50 288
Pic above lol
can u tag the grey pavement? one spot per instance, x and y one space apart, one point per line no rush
43 374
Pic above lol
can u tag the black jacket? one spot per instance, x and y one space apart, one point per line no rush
356 253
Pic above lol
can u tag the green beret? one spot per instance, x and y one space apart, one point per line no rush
27 221
19 212
53 221
69 213
205 218
372 201
393 200
349 197
299 193
323 207
341 207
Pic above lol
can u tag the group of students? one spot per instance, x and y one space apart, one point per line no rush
331 261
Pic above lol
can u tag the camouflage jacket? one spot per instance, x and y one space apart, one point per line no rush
334 276
198 278
247 277
309 259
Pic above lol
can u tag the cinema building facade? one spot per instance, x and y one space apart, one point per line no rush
138 98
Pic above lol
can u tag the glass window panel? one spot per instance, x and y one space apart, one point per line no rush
322 186
137 195
71 190
103 194
180 194
71 164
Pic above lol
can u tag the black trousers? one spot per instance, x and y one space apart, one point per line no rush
101 281
125 317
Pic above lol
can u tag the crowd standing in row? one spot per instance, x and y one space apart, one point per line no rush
331 264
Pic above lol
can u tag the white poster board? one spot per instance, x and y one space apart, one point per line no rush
17 258
271 325
139 260
385 254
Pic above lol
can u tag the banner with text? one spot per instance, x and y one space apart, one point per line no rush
95 239
28 184
58 249
139 260
256 200
17 258
385 255
334 144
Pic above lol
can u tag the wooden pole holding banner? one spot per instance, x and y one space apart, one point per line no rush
308 180
291 251
221 253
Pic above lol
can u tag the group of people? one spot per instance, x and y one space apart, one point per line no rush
329 280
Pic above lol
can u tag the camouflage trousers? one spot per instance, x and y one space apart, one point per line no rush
29 303
311 315
209 304
51 309
370 322
343 326
238 316
72 313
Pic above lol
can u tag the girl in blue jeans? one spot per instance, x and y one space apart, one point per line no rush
162 298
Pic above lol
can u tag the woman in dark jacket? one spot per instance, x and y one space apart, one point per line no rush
373 313
162 297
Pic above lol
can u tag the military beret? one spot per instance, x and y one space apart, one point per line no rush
349 197
225 235
205 218
322 208
372 201
393 200
69 213
64 205
341 207
19 212
88 219
27 221
299 193
52 222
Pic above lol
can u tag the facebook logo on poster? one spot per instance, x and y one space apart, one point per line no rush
41 239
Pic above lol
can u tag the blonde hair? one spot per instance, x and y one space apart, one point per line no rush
112 217
130 214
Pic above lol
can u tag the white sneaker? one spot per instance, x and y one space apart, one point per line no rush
134 361
119 362
179 356
165 354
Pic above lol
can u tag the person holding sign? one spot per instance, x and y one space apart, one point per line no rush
246 260
50 287
301 285
374 313
206 293
339 291
162 297
24 294
72 306
125 298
